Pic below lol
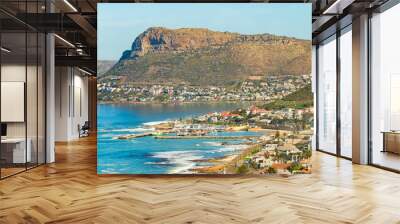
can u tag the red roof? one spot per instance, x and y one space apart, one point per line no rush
256 110
228 114
280 165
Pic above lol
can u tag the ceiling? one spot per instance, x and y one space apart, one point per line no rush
332 15
75 21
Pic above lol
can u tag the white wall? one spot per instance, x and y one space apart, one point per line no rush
385 74
33 126
62 82
12 73
71 102
80 104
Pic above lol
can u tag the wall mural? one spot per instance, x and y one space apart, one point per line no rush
204 88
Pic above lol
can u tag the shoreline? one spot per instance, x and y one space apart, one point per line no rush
225 164
178 103
247 159
218 166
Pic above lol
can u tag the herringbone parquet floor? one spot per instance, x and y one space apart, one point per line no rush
69 191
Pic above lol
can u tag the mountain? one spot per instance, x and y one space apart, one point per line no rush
198 56
103 66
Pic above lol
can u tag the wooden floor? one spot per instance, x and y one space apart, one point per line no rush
69 191
386 159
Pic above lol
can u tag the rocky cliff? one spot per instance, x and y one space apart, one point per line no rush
201 57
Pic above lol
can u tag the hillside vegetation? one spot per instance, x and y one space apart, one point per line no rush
205 57
299 99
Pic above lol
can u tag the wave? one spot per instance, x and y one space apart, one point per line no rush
175 154
109 171
154 123
183 160
159 163
230 148
105 136
213 143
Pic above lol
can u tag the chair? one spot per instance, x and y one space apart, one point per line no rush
84 130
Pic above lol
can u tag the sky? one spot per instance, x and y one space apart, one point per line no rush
118 24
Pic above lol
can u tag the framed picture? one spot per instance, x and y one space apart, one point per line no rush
204 88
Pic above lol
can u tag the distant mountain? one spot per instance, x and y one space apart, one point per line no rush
103 66
202 57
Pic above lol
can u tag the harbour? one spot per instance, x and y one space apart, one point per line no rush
204 137
127 138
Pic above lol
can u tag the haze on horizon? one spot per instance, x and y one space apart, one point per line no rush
120 24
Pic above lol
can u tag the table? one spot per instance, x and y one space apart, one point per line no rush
391 141
13 150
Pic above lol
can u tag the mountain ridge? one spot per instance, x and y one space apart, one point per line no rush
104 65
200 56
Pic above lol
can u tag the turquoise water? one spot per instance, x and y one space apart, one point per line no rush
156 156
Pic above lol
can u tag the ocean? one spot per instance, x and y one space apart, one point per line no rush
157 156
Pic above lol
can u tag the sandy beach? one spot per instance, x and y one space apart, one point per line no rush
226 164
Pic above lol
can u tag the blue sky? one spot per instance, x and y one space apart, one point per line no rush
120 23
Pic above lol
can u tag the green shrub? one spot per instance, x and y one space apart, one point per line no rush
242 169
271 170
255 150
295 166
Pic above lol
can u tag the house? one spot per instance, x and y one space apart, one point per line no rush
254 110
213 119
262 160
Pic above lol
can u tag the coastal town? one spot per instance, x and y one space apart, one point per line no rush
281 149
255 88
276 127
278 149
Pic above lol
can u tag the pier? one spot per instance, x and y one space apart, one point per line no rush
135 135
205 137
